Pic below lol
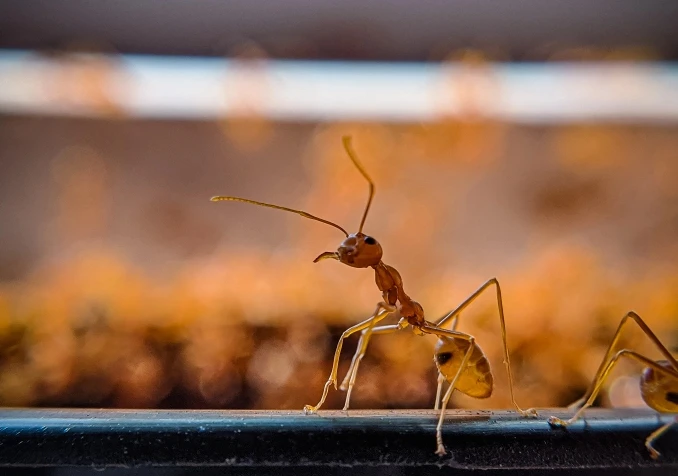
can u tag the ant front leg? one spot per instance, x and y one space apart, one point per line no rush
349 380
380 313
454 315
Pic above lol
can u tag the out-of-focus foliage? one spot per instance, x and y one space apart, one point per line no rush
576 239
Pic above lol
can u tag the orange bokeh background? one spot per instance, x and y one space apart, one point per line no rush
123 286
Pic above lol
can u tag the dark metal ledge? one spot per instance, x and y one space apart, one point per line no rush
31 438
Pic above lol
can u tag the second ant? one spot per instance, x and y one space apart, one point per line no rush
658 382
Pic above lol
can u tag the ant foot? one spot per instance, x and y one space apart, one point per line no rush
530 413
557 422
441 450
654 454
310 410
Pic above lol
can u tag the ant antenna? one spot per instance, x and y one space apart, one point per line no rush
278 207
349 150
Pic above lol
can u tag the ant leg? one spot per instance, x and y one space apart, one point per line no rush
382 310
598 383
500 306
351 375
441 379
655 435
648 332
379 330
439 429
454 314
360 353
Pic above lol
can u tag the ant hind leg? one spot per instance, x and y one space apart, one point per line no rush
439 391
440 450
454 316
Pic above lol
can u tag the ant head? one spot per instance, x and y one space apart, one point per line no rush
357 250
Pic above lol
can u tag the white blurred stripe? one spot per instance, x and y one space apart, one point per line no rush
210 88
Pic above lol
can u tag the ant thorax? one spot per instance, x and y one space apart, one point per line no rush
390 283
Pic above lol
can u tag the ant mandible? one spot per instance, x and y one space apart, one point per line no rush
658 383
458 358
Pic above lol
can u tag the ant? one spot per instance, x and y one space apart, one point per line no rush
458 358
658 383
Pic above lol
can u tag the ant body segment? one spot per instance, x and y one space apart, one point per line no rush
658 382
459 360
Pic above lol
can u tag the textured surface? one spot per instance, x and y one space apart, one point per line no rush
334 440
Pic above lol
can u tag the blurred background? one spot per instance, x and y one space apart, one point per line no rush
535 142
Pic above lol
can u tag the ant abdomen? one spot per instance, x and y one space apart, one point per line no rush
476 379
660 390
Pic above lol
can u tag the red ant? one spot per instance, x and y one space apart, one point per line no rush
458 358
658 383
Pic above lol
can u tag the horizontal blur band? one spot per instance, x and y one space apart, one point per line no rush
212 88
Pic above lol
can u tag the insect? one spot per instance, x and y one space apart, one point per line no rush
459 359
658 383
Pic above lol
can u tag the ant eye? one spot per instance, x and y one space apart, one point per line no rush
370 241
